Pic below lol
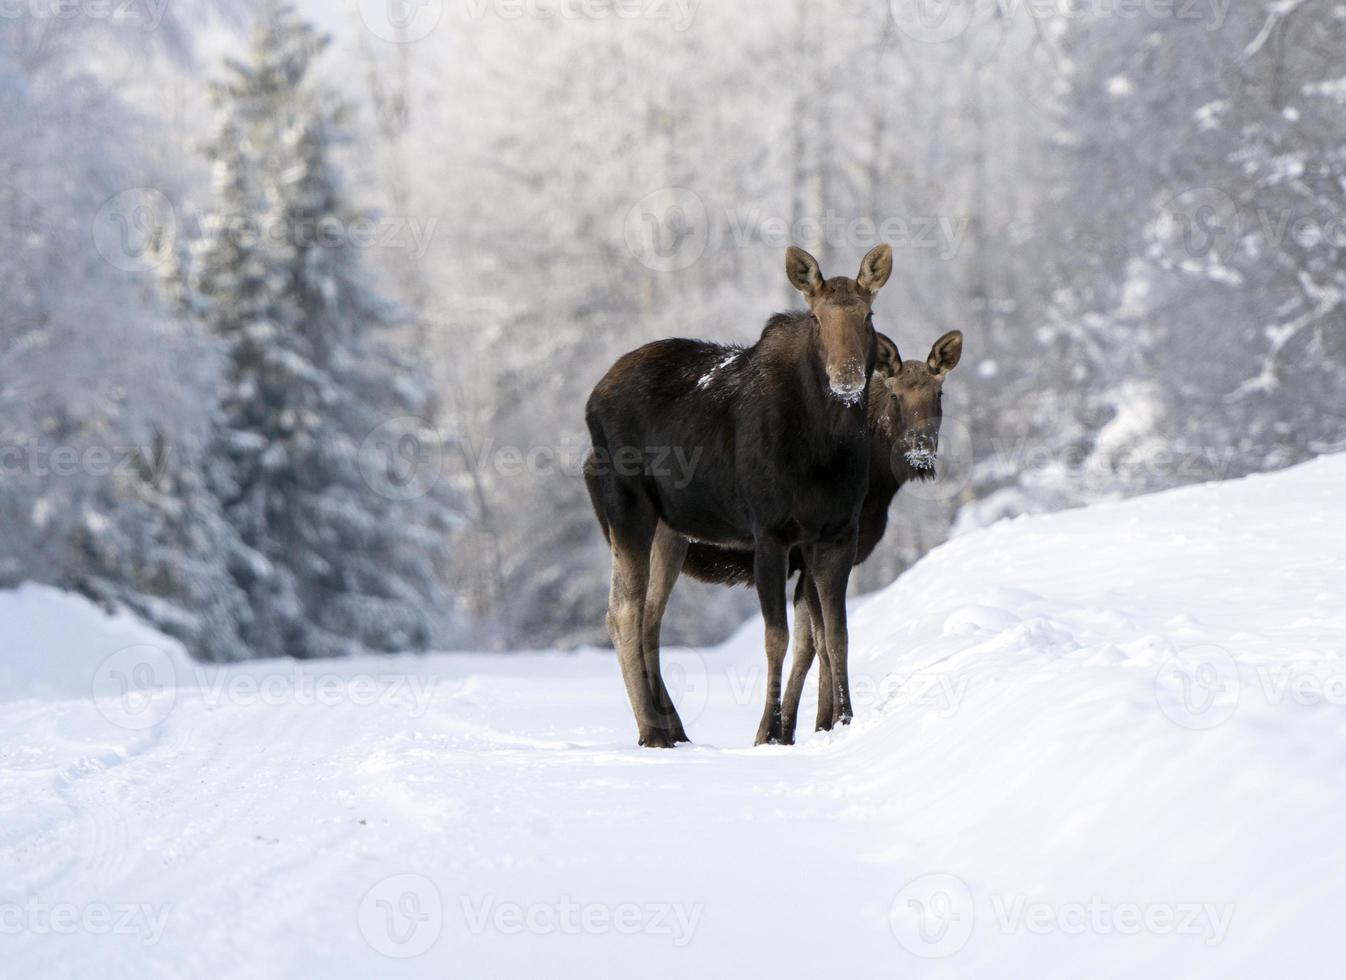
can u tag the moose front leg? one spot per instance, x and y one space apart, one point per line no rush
831 569
769 570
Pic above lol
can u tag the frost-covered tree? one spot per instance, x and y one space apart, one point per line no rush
313 436
165 551
1215 321
100 374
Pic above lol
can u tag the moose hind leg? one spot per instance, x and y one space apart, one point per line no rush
832 572
632 538
670 548
770 573
800 663
824 718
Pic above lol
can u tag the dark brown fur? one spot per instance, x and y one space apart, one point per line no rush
778 441
904 411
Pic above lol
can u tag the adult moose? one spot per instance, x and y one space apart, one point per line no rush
905 413
778 436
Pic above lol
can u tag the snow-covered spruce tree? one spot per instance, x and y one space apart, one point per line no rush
99 377
310 447
166 552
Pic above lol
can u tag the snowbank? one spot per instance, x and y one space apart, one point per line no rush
55 643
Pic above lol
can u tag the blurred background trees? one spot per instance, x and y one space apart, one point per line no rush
1134 212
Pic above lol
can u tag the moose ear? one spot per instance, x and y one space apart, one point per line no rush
946 352
889 361
803 271
876 268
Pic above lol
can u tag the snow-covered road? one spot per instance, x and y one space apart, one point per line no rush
1104 743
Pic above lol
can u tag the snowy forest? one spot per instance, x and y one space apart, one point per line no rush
303 302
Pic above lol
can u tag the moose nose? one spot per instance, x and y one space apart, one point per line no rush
922 446
848 385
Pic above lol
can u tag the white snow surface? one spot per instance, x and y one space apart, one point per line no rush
1103 743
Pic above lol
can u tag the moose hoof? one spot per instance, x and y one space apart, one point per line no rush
771 730
656 740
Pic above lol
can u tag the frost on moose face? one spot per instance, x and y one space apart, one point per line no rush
921 457
912 402
911 418
849 394
920 445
